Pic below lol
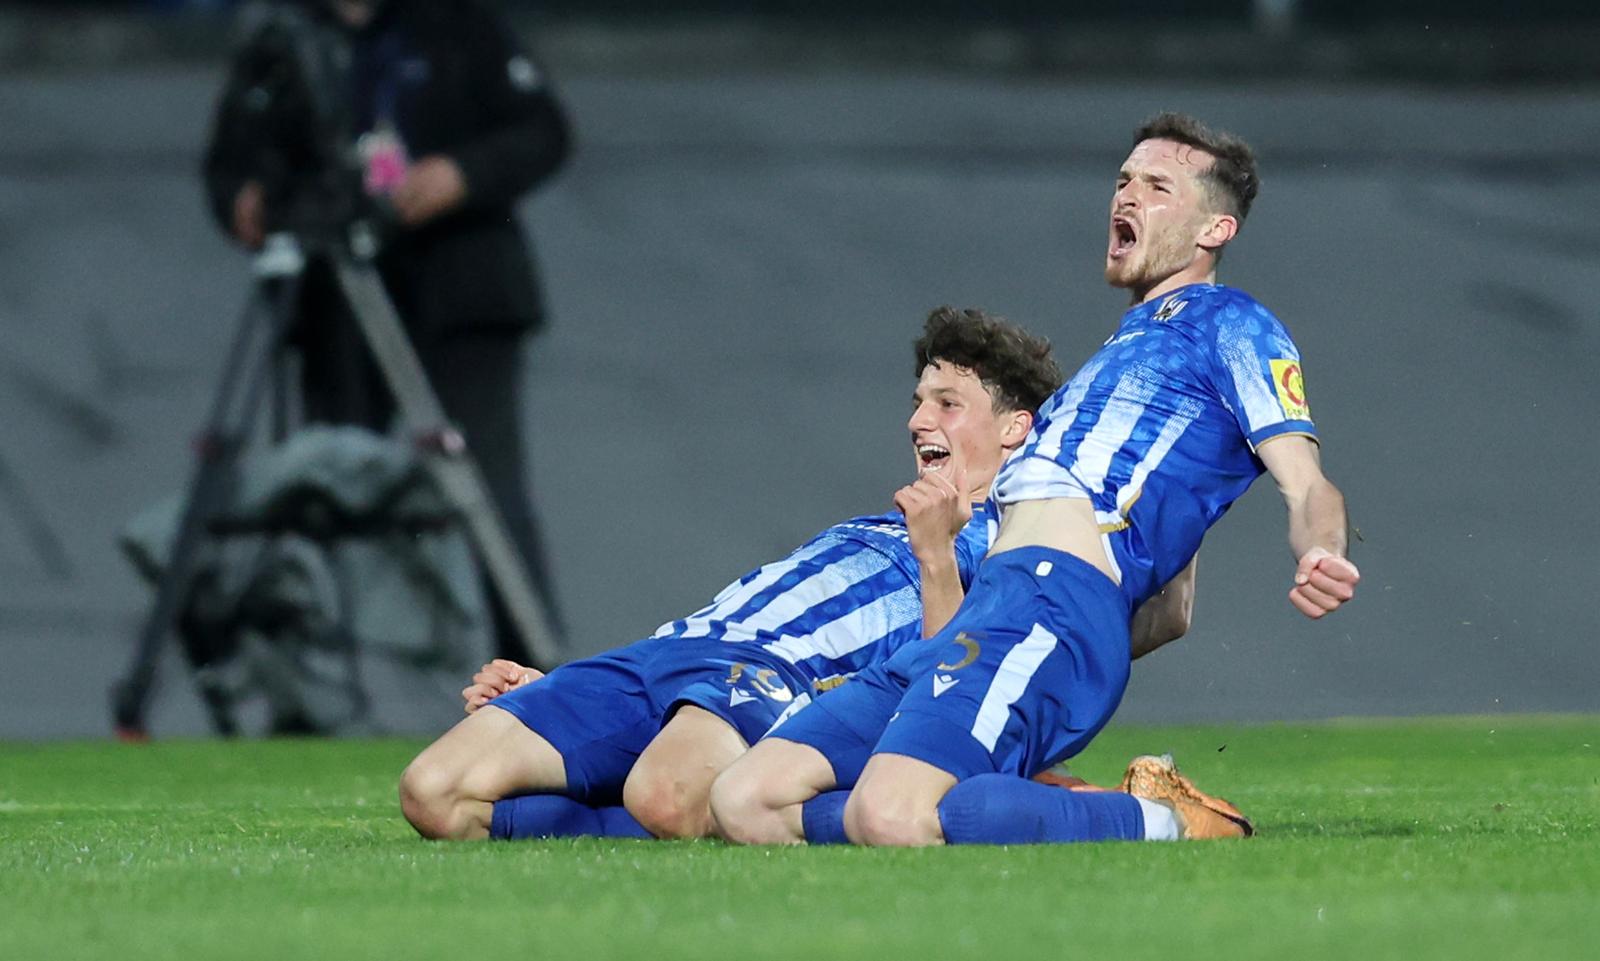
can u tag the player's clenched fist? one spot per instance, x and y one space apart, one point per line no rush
1322 582
937 506
494 679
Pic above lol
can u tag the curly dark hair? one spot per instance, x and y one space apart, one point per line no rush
1014 365
1232 181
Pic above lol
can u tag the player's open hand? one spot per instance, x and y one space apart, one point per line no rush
937 506
1323 581
494 679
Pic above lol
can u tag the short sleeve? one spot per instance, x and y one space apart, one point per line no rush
973 542
1258 373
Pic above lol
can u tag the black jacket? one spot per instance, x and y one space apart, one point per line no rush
459 84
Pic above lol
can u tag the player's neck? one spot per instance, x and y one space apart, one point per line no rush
1196 273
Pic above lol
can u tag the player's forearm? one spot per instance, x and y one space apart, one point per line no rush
1317 519
941 592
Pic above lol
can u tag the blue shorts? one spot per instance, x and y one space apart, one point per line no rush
601 712
1024 676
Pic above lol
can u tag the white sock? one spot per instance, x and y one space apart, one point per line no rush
1160 824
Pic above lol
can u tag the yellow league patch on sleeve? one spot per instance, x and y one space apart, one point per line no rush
1290 387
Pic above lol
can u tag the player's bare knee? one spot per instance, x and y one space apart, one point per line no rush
667 806
884 818
428 798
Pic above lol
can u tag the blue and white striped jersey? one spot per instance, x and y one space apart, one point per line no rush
849 597
1159 428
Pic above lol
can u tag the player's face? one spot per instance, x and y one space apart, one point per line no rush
1158 214
953 418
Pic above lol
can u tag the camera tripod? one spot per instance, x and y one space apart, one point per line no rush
250 368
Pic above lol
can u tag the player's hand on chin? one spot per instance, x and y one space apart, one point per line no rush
936 506
494 679
1323 582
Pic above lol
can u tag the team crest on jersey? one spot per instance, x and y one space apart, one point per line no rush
1289 384
1172 308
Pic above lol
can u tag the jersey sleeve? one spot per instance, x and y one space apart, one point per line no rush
1257 371
973 543
530 137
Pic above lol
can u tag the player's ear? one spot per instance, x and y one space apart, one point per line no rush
1222 229
1017 425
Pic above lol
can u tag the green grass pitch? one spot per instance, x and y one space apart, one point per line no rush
1456 838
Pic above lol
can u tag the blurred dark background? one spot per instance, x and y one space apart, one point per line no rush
765 201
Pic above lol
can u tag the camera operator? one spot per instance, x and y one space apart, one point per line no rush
441 121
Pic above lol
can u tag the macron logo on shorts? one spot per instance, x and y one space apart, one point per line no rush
737 697
944 682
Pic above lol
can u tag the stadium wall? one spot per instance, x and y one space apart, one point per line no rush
737 264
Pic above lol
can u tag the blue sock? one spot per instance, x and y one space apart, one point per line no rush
1004 809
823 817
558 816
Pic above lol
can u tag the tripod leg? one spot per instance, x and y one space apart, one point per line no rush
230 422
446 456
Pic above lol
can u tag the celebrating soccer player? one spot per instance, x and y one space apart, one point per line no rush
628 743
1196 393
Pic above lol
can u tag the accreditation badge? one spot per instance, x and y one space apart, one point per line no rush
383 161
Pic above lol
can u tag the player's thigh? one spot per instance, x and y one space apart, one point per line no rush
776 773
670 785
488 755
843 725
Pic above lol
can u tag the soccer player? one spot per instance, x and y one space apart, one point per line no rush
1196 393
649 726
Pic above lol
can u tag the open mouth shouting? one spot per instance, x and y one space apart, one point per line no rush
1124 237
932 456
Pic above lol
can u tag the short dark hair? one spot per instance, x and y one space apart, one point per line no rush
1232 181
1015 366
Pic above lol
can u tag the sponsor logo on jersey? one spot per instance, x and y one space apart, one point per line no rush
944 682
737 697
1290 386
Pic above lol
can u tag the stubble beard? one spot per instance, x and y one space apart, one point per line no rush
1158 258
